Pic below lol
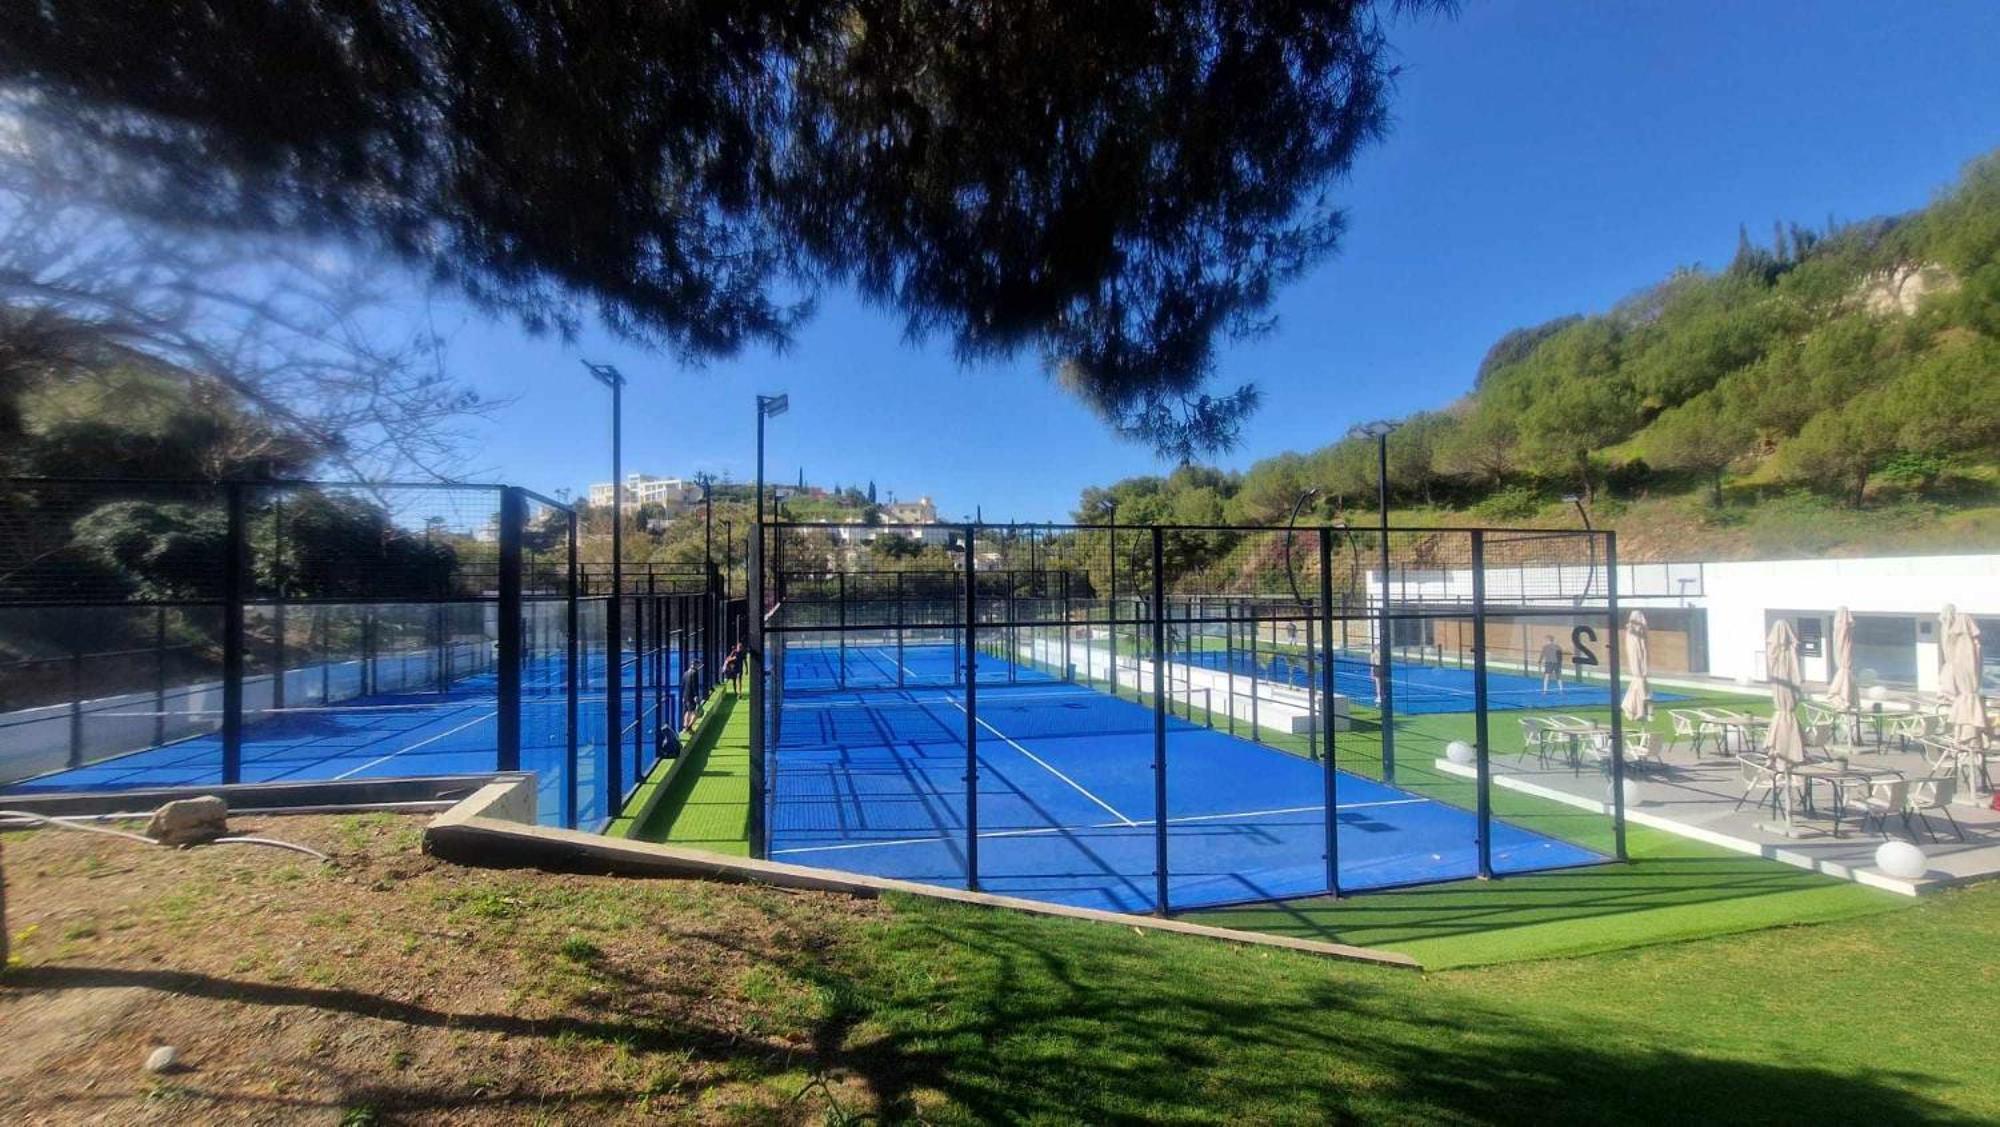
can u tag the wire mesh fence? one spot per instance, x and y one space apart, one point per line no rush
1169 717
166 634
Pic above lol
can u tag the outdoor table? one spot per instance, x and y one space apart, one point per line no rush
1746 728
1574 732
1838 776
1879 711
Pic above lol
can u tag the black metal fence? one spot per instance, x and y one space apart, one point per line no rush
1168 717
175 633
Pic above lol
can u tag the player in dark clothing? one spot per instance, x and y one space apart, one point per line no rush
690 693
732 667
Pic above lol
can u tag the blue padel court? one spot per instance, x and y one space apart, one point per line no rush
401 734
1420 690
873 780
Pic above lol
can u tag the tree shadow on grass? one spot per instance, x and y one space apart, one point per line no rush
1010 1018
1038 1032
1725 883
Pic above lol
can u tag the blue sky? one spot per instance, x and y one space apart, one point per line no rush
1546 158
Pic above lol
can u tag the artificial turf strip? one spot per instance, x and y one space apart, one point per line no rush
706 726
1673 890
708 805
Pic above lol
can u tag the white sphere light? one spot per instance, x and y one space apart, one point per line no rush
1868 676
1460 752
1901 859
1878 692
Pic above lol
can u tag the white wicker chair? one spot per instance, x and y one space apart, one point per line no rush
1688 726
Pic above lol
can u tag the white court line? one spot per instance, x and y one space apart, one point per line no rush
1005 695
418 744
1043 830
1044 765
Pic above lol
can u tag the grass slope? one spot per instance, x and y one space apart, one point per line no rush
391 987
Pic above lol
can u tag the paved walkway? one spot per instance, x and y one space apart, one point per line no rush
1698 797
708 805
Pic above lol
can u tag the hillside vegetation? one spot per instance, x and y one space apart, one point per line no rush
1837 389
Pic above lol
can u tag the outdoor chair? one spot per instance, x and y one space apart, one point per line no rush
1968 764
1911 726
1536 735
1829 730
1757 771
1693 728
1886 797
1934 793
1641 752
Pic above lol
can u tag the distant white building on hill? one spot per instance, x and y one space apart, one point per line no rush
673 494
920 511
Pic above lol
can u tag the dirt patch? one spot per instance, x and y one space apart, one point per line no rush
390 987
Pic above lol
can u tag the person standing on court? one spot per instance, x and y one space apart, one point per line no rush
1552 663
732 667
690 692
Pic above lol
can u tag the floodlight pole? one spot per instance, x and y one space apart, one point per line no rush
709 656
1380 430
614 626
1589 577
728 547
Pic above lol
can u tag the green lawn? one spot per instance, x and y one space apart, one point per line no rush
967 1015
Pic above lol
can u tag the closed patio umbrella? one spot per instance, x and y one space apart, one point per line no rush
1781 665
1965 709
1840 690
1638 702
1946 620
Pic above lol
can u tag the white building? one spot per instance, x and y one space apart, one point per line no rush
920 511
673 494
1712 618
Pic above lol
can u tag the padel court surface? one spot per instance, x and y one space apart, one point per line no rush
402 734
873 780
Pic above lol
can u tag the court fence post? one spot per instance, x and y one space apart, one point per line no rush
1159 721
160 675
511 507
235 558
75 701
1386 670
1617 697
570 718
1312 696
971 711
1112 615
1481 734
279 659
1329 710
1256 732
1068 667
